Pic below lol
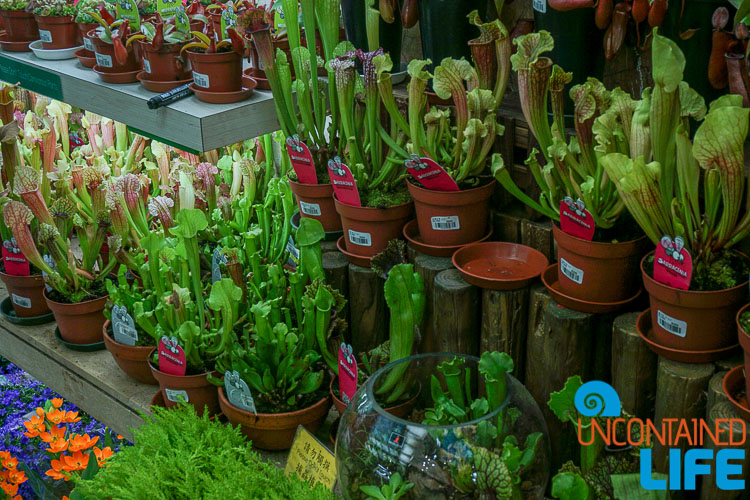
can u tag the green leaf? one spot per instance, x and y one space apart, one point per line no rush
570 486
562 403
628 486
668 62
450 75
310 232
190 221
530 47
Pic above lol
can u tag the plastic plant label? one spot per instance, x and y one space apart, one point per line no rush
292 249
540 5
176 396
167 8
45 36
302 161
146 65
171 356
571 272
429 174
128 9
16 263
20 301
123 327
673 265
309 208
347 373
181 20
343 183
103 60
228 19
201 80
238 392
575 220
361 239
672 325
310 460
88 44
447 223
51 263
216 261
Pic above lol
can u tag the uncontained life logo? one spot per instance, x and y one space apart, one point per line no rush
599 399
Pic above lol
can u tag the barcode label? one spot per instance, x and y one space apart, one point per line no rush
124 334
176 396
24 302
147 66
361 239
88 44
103 60
447 223
571 272
309 208
540 5
201 80
672 325
45 36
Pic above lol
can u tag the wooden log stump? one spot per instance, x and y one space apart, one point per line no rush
715 393
368 312
336 268
538 235
538 299
411 253
455 326
727 364
328 246
428 267
506 226
505 316
731 431
680 393
633 367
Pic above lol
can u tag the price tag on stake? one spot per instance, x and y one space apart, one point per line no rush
310 460
228 19
429 174
302 161
347 373
171 356
16 263
238 391
673 265
181 20
343 183
216 261
123 327
167 8
128 9
575 220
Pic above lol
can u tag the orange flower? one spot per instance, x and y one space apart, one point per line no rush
9 489
58 466
35 426
102 455
79 443
16 476
9 462
5 459
120 437
56 416
40 411
56 439
71 417
77 461
57 402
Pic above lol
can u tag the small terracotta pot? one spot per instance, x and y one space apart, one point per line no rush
603 272
274 431
314 199
60 30
745 343
133 360
373 228
20 25
105 56
26 294
79 323
201 393
88 44
451 217
401 410
697 321
223 71
165 64
256 62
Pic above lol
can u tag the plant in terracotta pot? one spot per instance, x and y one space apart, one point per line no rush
161 49
686 194
743 330
593 237
55 19
112 56
18 21
217 66
86 23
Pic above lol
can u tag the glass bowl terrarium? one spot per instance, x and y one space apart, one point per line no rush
474 432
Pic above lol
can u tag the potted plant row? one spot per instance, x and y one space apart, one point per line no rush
20 25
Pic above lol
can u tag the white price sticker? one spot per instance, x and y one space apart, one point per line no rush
24 302
309 208
540 5
146 65
571 272
447 223
361 239
201 80
88 44
45 36
103 60
672 325
176 396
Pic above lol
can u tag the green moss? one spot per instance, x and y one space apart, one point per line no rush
385 199
727 270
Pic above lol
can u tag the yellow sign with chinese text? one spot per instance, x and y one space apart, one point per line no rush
311 460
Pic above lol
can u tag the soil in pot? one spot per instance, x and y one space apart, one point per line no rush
368 230
20 26
219 72
194 389
26 294
81 322
105 57
165 64
57 32
316 201
133 360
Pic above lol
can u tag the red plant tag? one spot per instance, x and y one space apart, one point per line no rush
673 265
302 160
171 357
429 174
347 373
343 183
576 220
16 263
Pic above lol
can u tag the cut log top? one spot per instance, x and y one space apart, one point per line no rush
686 371
451 279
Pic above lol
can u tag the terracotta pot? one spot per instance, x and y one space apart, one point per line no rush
88 44
57 32
79 323
256 62
316 201
452 218
20 25
105 56
195 389
745 343
600 272
401 410
164 64
221 72
372 228
697 321
274 431
26 294
133 360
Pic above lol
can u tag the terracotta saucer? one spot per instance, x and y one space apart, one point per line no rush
96 346
498 265
249 82
551 281
735 390
221 97
355 259
9 46
254 74
117 78
643 325
411 233
86 61
159 87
